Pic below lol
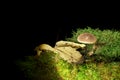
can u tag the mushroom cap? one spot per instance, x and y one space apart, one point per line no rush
86 38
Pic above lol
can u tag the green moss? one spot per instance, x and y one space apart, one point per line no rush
103 65
42 68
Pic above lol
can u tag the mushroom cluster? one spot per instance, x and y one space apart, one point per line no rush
65 49
88 38
68 51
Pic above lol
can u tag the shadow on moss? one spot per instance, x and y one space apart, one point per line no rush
42 68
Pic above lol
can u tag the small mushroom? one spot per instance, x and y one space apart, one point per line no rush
88 38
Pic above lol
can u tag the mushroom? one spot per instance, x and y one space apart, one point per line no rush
88 38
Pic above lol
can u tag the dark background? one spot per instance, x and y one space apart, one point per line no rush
27 27
30 31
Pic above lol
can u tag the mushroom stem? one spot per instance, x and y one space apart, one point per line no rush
93 50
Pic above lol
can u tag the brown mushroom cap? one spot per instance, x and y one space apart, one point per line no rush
86 38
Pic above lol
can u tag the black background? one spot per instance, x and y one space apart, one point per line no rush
28 32
26 27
